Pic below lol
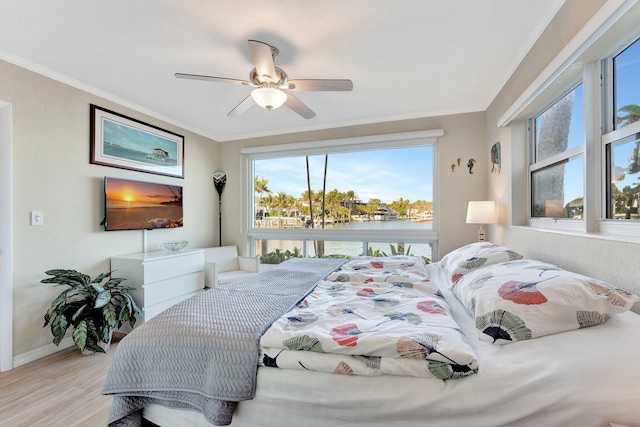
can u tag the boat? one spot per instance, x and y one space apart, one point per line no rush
385 213
425 217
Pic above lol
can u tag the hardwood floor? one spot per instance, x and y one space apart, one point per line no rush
63 389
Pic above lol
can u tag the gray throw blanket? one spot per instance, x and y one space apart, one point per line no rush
202 353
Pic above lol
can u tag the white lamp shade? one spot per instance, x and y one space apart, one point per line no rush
482 212
269 97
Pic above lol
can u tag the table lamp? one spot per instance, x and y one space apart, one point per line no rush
481 212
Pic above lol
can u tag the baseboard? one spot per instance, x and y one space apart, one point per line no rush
39 353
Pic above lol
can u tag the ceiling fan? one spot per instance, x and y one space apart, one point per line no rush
272 85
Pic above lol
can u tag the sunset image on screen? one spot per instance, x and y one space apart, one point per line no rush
132 205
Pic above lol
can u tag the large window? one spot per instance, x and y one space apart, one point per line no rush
626 86
556 169
364 189
344 199
622 143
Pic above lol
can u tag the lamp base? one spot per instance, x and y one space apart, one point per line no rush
480 234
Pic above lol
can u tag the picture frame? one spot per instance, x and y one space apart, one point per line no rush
123 142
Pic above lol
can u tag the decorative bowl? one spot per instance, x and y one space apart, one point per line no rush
175 246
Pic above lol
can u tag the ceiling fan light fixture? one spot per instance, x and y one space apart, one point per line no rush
269 98
271 84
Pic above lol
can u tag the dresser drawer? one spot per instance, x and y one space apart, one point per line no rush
164 290
161 278
165 268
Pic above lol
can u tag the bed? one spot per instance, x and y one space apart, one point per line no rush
522 361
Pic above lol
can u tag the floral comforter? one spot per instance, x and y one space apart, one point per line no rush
375 316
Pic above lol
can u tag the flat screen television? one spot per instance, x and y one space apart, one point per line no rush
139 205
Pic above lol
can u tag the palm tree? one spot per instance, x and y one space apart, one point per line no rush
351 198
282 201
332 203
309 193
634 166
260 187
324 189
320 243
402 206
633 115
269 202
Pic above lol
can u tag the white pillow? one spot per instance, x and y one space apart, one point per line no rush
370 263
525 299
414 278
475 255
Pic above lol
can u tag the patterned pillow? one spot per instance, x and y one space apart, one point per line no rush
462 260
371 263
525 299
413 278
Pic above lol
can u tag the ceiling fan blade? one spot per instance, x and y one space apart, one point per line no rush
320 85
296 105
213 79
263 59
244 105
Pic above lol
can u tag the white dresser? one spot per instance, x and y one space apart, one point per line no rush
161 278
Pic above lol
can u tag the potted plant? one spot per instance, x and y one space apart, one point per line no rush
93 308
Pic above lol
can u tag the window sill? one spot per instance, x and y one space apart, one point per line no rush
340 234
627 233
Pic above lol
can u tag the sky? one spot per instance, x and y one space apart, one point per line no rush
141 192
628 76
381 174
135 139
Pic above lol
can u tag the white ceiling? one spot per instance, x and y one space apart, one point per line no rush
406 58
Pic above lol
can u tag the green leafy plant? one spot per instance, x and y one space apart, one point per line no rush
395 251
375 252
93 308
278 256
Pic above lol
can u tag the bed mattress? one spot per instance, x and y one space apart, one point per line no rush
585 377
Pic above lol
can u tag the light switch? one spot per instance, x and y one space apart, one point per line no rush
37 218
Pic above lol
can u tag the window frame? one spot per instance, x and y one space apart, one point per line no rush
611 135
608 32
598 93
568 224
397 140
609 84
611 225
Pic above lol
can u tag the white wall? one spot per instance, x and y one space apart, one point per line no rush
52 174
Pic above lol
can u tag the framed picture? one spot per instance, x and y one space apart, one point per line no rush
126 143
